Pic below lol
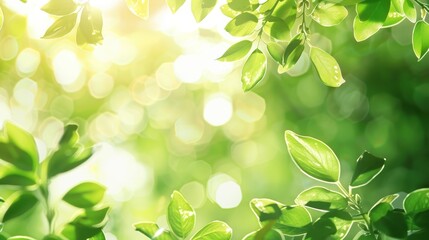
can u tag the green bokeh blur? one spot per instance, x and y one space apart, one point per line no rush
165 116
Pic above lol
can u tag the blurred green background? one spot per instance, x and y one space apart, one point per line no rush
164 115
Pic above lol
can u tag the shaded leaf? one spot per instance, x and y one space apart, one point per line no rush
329 14
201 8
327 67
313 157
367 168
70 135
254 70
180 215
419 235
61 26
373 10
215 230
153 231
420 39
85 195
19 204
79 232
236 51
279 29
322 198
242 25
394 17
140 8
388 221
266 209
331 225
90 26
293 52
10 175
276 51
295 220
60 7
174 5
67 158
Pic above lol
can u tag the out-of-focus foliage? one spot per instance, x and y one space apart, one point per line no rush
165 115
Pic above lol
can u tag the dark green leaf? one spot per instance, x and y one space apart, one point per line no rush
322 199
175 4
10 175
367 168
294 220
90 26
215 230
152 231
395 16
242 25
60 7
201 8
276 51
180 215
421 219
19 204
331 225
236 51
139 8
254 70
266 209
85 195
373 10
61 26
417 201
388 221
329 14
313 157
293 52
70 135
420 39
327 67
424 234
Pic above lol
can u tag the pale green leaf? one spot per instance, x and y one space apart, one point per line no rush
279 29
329 14
395 16
60 7
215 230
90 27
139 8
236 51
240 5
174 5
85 195
420 39
180 215
322 199
276 51
417 201
18 204
293 52
410 11
201 8
364 30
254 69
313 157
294 220
327 67
61 26
242 25
367 168
153 231
227 11
1 18
21 238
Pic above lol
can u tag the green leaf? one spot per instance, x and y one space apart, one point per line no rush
1 18
409 10
322 199
331 225
286 10
153 231
295 220
98 236
61 26
21 238
242 25
313 157
367 168
10 175
52 237
395 15
67 158
276 51
364 30
201 8
236 51
215 230
20 149
279 29
371 16
266 209
85 195
70 136
96 218
19 204
227 11
60 7
424 234
79 232
90 26
417 201
420 39
327 67
293 52
254 70
174 5
329 14
140 8
239 5
180 215
388 221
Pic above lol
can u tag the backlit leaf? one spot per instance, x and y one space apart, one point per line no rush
293 52
254 70
153 231
327 67
329 14
417 201
1 18
201 8
276 51
236 51
90 27
180 215
294 220
60 7
239 5
410 11
322 198
266 209
242 25
420 39
139 8
174 5
373 10
215 230
313 157
367 168
19 204
61 26
364 30
85 195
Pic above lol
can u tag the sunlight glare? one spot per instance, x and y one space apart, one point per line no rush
218 110
67 67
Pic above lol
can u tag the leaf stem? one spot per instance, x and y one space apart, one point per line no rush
50 212
423 5
358 208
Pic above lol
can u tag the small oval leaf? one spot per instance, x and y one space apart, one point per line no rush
294 220
254 70
242 25
85 195
201 8
215 230
61 26
139 8
19 204
293 52
180 215
420 39
329 14
236 51
322 199
417 201
276 51
327 67
60 7
367 168
313 157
